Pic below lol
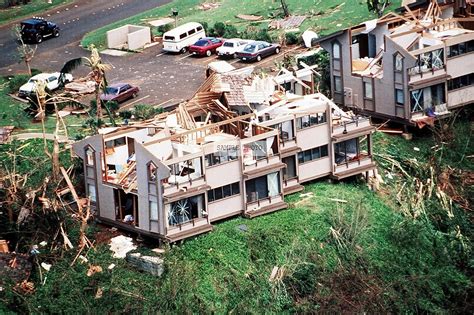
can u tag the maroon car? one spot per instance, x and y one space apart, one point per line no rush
205 46
257 50
119 92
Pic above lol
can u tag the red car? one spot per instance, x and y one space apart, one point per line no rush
119 92
205 46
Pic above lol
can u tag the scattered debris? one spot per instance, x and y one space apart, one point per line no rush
242 228
209 6
83 259
78 87
158 250
248 17
5 133
15 267
4 246
416 149
46 266
25 287
43 243
93 269
99 293
121 245
150 264
287 23
277 274
161 22
338 200
111 266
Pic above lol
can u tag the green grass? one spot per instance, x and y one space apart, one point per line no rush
227 270
325 16
35 7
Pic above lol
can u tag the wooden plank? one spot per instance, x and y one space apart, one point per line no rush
71 186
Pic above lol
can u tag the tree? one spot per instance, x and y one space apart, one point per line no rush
377 6
97 73
284 6
25 51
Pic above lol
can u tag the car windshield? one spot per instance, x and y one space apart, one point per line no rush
111 90
201 42
227 44
169 37
250 48
26 26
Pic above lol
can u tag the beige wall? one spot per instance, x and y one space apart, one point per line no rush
225 207
310 170
134 36
223 174
460 96
461 65
314 136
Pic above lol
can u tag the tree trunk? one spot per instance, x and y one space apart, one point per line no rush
28 66
98 102
55 154
284 6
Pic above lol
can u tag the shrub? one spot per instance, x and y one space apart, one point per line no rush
219 29
126 114
292 38
144 111
231 31
16 81
164 28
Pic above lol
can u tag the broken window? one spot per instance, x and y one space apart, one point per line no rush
151 172
186 209
224 154
350 150
286 130
260 149
185 171
425 99
428 61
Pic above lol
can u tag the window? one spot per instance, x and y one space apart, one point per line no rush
336 51
368 93
199 28
350 150
182 36
398 63
289 171
171 38
461 82
185 171
186 209
313 154
310 120
153 210
89 156
115 143
92 193
263 187
337 84
286 130
425 99
223 192
151 172
399 97
226 153
429 61
191 32
460 49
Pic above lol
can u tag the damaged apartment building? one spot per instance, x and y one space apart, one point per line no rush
411 67
237 147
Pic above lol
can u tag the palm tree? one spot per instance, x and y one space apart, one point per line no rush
97 73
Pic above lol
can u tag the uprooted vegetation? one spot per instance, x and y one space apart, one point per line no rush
338 248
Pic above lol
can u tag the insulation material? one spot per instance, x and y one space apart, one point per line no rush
121 245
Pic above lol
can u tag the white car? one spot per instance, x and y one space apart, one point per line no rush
49 79
231 47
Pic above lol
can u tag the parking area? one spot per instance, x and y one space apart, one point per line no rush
164 78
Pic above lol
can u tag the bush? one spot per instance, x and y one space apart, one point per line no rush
144 111
292 38
164 28
219 29
126 114
15 82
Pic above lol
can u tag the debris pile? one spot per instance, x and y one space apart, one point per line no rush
287 23
121 245
149 264
208 6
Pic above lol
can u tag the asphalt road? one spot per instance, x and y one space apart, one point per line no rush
75 20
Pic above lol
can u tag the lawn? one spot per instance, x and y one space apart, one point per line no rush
326 16
35 7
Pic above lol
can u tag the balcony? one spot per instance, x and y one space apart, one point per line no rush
357 165
350 127
193 227
265 205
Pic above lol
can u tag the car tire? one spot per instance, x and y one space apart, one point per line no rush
209 53
259 58
277 50
183 50
56 33
39 38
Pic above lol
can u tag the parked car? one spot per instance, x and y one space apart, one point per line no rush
36 29
49 79
231 47
119 92
205 46
257 50
180 38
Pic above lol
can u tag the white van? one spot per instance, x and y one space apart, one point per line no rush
183 36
